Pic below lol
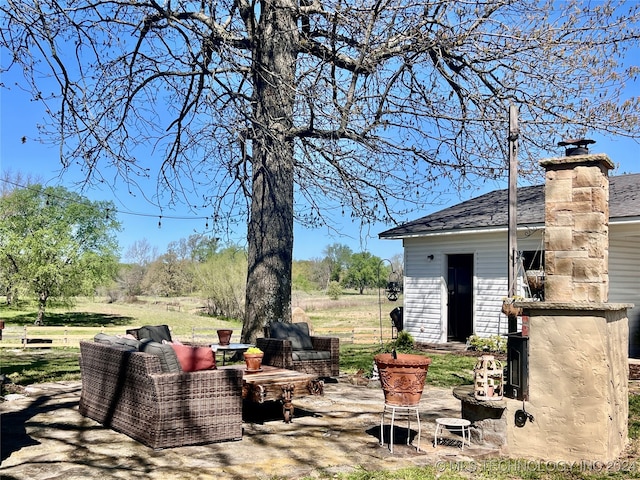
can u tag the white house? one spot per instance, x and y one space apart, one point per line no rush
455 261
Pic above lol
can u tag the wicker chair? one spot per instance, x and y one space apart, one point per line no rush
319 356
128 392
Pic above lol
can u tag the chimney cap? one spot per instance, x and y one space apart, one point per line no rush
579 146
578 142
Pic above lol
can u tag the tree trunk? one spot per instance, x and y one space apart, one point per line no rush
42 305
270 229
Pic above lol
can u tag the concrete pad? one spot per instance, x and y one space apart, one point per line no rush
45 437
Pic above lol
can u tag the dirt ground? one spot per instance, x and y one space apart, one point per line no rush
45 437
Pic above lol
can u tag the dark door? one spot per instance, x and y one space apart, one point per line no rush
460 297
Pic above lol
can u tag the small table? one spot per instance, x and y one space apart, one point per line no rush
460 424
278 384
232 347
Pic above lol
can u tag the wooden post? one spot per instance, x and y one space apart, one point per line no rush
512 243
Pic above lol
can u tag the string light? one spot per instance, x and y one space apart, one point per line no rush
109 211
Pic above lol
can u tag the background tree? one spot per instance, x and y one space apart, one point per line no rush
197 247
58 243
141 253
168 276
221 280
365 107
363 272
131 275
9 182
337 256
334 290
303 275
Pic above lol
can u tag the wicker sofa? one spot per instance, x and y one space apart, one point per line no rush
127 391
290 346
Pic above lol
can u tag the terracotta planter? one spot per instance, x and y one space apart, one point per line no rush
510 310
224 336
402 378
253 361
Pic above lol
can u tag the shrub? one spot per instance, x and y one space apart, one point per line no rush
222 281
403 344
334 291
494 344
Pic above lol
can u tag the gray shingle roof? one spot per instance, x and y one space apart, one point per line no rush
490 210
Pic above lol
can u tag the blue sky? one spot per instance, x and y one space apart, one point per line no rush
20 116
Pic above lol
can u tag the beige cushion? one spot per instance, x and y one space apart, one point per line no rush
121 341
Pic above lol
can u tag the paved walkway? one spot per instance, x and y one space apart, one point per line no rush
44 437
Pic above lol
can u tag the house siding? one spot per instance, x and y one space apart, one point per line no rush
624 268
479 226
425 289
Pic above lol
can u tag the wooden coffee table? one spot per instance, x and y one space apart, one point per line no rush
278 384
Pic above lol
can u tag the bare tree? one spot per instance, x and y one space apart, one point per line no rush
141 253
278 110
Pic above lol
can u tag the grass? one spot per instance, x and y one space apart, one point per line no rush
39 366
25 367
634 420
449 370
182 314
446 370
504 469
351 310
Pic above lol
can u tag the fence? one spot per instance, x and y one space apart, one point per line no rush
201 335
208 335
33 336
361 335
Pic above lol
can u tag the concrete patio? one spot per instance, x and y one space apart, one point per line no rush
44 436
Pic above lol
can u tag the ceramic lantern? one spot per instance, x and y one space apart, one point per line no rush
488 378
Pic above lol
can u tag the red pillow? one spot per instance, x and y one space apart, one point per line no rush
194 358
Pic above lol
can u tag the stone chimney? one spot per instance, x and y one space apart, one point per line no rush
576 349
577 226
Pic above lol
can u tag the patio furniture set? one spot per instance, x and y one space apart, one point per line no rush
165 394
